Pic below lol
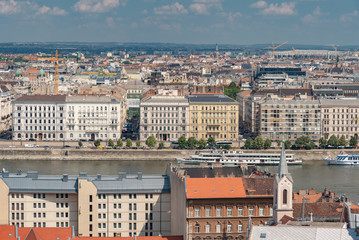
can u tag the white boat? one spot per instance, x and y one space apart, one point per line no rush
343 159
239 157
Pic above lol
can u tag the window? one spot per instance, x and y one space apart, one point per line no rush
208 228
229 228
208 211
218 228
285 194
240 227
240 211
196 228
271 211
261 211
250 211
218 211
229 211
196 212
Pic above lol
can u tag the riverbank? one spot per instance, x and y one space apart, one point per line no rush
139 154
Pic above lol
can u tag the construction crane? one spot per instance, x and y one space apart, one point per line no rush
56 60
293 50
274 48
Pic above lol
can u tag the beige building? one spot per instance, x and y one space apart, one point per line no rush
340 117
126 205
6 98
165 117
213 116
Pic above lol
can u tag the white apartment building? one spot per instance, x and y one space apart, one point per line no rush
6 98
46 117
105 206
164 117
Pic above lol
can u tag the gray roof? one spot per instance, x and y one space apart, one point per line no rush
165 99
210 99
301 233
349 102
31 182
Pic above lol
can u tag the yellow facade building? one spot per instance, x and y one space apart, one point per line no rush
213 116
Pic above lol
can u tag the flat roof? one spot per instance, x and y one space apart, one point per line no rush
210 99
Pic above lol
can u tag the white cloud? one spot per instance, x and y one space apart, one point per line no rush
51 11
203 6
259 4
348 17
96 6
174 9
313 17
282 9
9 7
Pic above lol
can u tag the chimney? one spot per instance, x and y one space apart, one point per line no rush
32 174
16 231
5 174
65 177
83 174
73 231
121 175
139 175
98 176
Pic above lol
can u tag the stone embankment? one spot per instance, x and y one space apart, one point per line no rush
138 154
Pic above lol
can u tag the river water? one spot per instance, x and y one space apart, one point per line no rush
312 174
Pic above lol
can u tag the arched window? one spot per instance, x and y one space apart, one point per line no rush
285 194
218 228
208 228
19 135
240 227
196 228
71 135
61 135
229 228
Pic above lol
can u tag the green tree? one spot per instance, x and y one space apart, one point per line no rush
232 90
161 145
304 142
119 142
267 143
80 144
287 144
192 142
279 143
333 141
353 141
97 142
151 141
322 142
211 142
258 143
110 143
138 143
248 143
202 143
342 141
182 142
128 143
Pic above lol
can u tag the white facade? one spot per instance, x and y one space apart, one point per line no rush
6 98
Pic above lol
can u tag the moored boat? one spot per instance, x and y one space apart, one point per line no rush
343 159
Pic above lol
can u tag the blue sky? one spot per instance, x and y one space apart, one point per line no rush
187 21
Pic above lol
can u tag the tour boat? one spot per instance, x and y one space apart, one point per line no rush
343 159
239 157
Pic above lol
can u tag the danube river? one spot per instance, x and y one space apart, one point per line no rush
312 174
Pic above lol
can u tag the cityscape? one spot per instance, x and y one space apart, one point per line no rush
171 120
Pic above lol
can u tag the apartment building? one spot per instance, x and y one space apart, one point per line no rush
213 116
165 117
59 117
340 117
6 98
125 205
290 119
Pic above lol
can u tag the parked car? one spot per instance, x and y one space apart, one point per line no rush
32 140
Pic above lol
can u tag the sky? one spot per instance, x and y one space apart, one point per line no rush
188 21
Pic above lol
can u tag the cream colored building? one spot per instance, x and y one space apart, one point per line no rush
213 116
6 98
126 205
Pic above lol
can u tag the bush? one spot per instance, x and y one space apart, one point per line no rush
128 143
151 141
97 143
110 143
80 144
161 145
119 142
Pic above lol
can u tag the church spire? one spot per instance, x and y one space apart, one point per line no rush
282 166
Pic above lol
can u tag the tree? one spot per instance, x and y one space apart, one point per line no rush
304 142
202 143
138 143
267 143
192 142
258 143
119 142
279 143
182 143
232 90
322 142
110 143
211 142
128 143
97 142
80 144
342 141
161 145
151 141
248 143
333 141
353 141
287 144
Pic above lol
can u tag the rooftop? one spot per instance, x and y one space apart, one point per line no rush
210 99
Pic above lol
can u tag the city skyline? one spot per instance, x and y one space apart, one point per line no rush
189 21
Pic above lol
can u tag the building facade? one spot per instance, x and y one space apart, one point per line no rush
125 205
213 116
46 117
164 117
6 98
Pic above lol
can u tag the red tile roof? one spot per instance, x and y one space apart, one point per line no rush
197 188
132 238
27 233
